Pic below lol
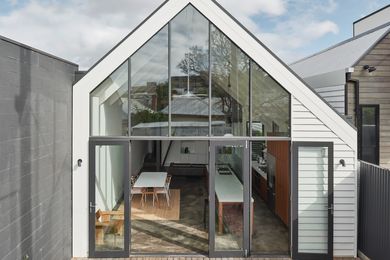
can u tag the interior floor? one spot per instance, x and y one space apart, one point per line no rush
186 235
270 235
189 234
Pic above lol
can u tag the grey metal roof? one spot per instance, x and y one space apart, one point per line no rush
191 106
340 56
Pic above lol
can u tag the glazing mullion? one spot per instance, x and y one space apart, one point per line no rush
169 81
129 96
210 81
250 97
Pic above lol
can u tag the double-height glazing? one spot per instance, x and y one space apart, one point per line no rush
190 150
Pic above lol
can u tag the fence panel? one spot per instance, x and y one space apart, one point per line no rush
374 211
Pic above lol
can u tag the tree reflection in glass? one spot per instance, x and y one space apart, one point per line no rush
230 86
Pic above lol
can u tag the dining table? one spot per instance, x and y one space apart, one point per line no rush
151 180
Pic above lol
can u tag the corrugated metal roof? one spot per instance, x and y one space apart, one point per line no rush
340 56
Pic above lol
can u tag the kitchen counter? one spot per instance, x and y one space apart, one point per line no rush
256 168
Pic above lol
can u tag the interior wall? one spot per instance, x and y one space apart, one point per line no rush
109 176
111 119
198 152
139 150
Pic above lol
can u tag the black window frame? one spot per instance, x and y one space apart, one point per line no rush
377 132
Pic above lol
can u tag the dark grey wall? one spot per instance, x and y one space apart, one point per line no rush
35 153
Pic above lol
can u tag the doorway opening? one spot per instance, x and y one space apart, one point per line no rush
172 217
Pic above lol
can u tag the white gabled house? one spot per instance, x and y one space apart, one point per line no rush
294 196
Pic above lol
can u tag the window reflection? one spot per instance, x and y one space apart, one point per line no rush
230 86
189 74
149 87
109 114
270 105
188 102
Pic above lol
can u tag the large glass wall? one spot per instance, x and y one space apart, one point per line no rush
270 171
270 105
230 86
189 74
109 114
149 87
170 88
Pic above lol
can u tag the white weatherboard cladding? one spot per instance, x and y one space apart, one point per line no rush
343 134
313 200
307 127
335 96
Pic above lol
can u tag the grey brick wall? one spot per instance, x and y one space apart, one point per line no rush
35 154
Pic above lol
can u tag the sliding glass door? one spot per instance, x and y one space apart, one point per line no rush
109 199
229 198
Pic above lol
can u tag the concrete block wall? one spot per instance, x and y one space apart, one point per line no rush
35 153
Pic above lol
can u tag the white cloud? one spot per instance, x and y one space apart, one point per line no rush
297 25
255 7
83 31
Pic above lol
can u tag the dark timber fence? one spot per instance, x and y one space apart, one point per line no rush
374 211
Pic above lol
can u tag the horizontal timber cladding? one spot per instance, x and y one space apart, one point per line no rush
307 127
334 95
375 89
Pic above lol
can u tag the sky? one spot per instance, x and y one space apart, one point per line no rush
82 31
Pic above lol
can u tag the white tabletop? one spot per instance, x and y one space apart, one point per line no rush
228 188
256 167
151 180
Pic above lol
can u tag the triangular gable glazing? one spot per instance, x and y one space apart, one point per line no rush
171 93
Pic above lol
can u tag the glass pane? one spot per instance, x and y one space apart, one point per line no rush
174 221
230 86
229 197
313 200
270 192
368 115
369 135
189 74
109 197
109 113
149 87
270 105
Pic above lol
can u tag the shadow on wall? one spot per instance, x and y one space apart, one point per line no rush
23 108
38 155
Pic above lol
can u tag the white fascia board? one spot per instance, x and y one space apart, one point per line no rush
278 70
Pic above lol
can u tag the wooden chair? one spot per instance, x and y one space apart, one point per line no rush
134 190
165 190
105 225
148 191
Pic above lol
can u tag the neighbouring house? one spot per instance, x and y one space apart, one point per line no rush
191 137
35 153
354 77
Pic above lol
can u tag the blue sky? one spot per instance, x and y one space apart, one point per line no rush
84 30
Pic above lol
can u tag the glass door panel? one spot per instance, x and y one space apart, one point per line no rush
313 201
108 199
229 204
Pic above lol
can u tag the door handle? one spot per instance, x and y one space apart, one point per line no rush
92 207
331 208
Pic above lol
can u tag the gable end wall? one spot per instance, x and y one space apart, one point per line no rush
307 127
